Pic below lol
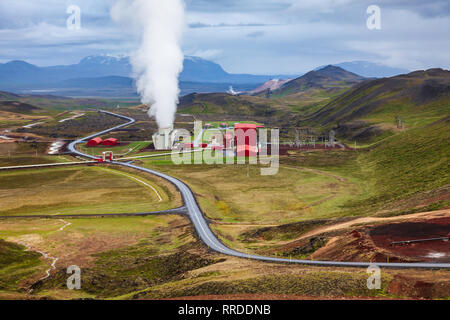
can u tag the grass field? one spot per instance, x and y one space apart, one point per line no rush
109 248
157 257
81 190
27 160
404 174
239 193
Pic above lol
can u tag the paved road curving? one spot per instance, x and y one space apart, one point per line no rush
207 236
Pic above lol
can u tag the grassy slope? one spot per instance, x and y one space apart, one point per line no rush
222 103
403 174
78 190
157 257
240 194
119 255
89 123
330 78
409 163
60 103
19 110
16 264
419 98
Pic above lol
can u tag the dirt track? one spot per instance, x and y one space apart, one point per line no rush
365 220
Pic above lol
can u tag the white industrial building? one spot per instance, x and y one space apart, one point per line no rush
166 138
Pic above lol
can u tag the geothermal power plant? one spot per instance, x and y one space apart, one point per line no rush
241 140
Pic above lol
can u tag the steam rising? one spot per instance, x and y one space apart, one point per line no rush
159 59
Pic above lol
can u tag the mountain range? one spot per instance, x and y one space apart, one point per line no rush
96 74
104 75
370 69
420 94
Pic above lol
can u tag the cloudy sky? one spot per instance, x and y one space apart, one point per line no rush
245 36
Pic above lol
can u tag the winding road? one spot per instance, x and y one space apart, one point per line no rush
207 236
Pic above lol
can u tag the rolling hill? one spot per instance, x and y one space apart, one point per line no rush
226 104
410 169
372 108
369 69
329 79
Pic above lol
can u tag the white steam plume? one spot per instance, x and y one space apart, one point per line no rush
159 59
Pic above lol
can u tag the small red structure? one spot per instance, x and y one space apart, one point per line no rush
94 142
203 145
110 142
107 156
245 126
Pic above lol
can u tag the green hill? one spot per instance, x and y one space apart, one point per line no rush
373 109
330 79
223 103
409 171
18 107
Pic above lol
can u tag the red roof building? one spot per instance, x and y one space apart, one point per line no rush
94 142
245 134
110 142
245 126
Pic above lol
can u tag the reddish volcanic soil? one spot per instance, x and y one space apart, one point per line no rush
430 251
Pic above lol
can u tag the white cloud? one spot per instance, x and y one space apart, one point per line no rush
208 54
294 35
324 6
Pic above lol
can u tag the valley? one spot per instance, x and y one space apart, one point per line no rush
330 205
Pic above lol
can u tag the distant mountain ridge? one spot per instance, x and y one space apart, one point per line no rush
97 75
329 77
371 108
195 70
369 69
